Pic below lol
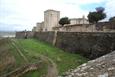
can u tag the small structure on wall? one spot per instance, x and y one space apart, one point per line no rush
76 28
34 29
82 20
76 25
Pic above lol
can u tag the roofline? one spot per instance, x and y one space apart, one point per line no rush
77 18
51 10
69 25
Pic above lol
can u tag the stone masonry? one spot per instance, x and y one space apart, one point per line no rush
100 67
51 18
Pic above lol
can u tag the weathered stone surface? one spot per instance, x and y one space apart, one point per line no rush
100 67
45 36
89 44
23 34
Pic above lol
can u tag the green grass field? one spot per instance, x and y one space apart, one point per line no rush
64 60
32 49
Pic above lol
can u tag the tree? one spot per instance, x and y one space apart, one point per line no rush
112 22
100 9
64 20
112 19
97 15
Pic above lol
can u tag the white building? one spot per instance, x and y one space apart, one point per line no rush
82 20
39 26
51 19
34 29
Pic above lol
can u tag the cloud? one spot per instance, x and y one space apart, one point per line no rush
21 14
28 12
13 27
81 2
110 8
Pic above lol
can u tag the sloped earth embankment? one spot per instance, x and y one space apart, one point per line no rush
7 61
20 71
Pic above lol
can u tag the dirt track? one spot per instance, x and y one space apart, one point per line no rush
51 71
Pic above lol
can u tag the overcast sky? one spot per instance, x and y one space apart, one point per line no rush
16 15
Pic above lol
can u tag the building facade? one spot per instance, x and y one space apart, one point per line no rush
34 29
51 18
51 23
82 20
76 28
40 26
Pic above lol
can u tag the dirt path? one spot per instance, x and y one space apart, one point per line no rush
18 50
52 67
22 70
51 71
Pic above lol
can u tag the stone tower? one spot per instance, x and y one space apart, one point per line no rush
51 18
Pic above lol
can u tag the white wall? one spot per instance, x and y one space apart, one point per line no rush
78 21
51 18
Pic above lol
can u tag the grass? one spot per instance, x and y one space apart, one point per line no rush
64 60
32 48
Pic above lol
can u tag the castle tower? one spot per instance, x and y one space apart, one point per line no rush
51 19
83 19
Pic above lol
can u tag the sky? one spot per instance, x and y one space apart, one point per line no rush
18 15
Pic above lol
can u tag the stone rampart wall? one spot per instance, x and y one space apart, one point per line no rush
45 36
24 34
89 44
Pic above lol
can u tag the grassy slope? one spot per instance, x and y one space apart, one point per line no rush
32 58
64 60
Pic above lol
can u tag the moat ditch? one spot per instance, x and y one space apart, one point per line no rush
19 62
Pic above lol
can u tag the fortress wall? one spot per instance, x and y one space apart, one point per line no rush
45 36
89 44
22 34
